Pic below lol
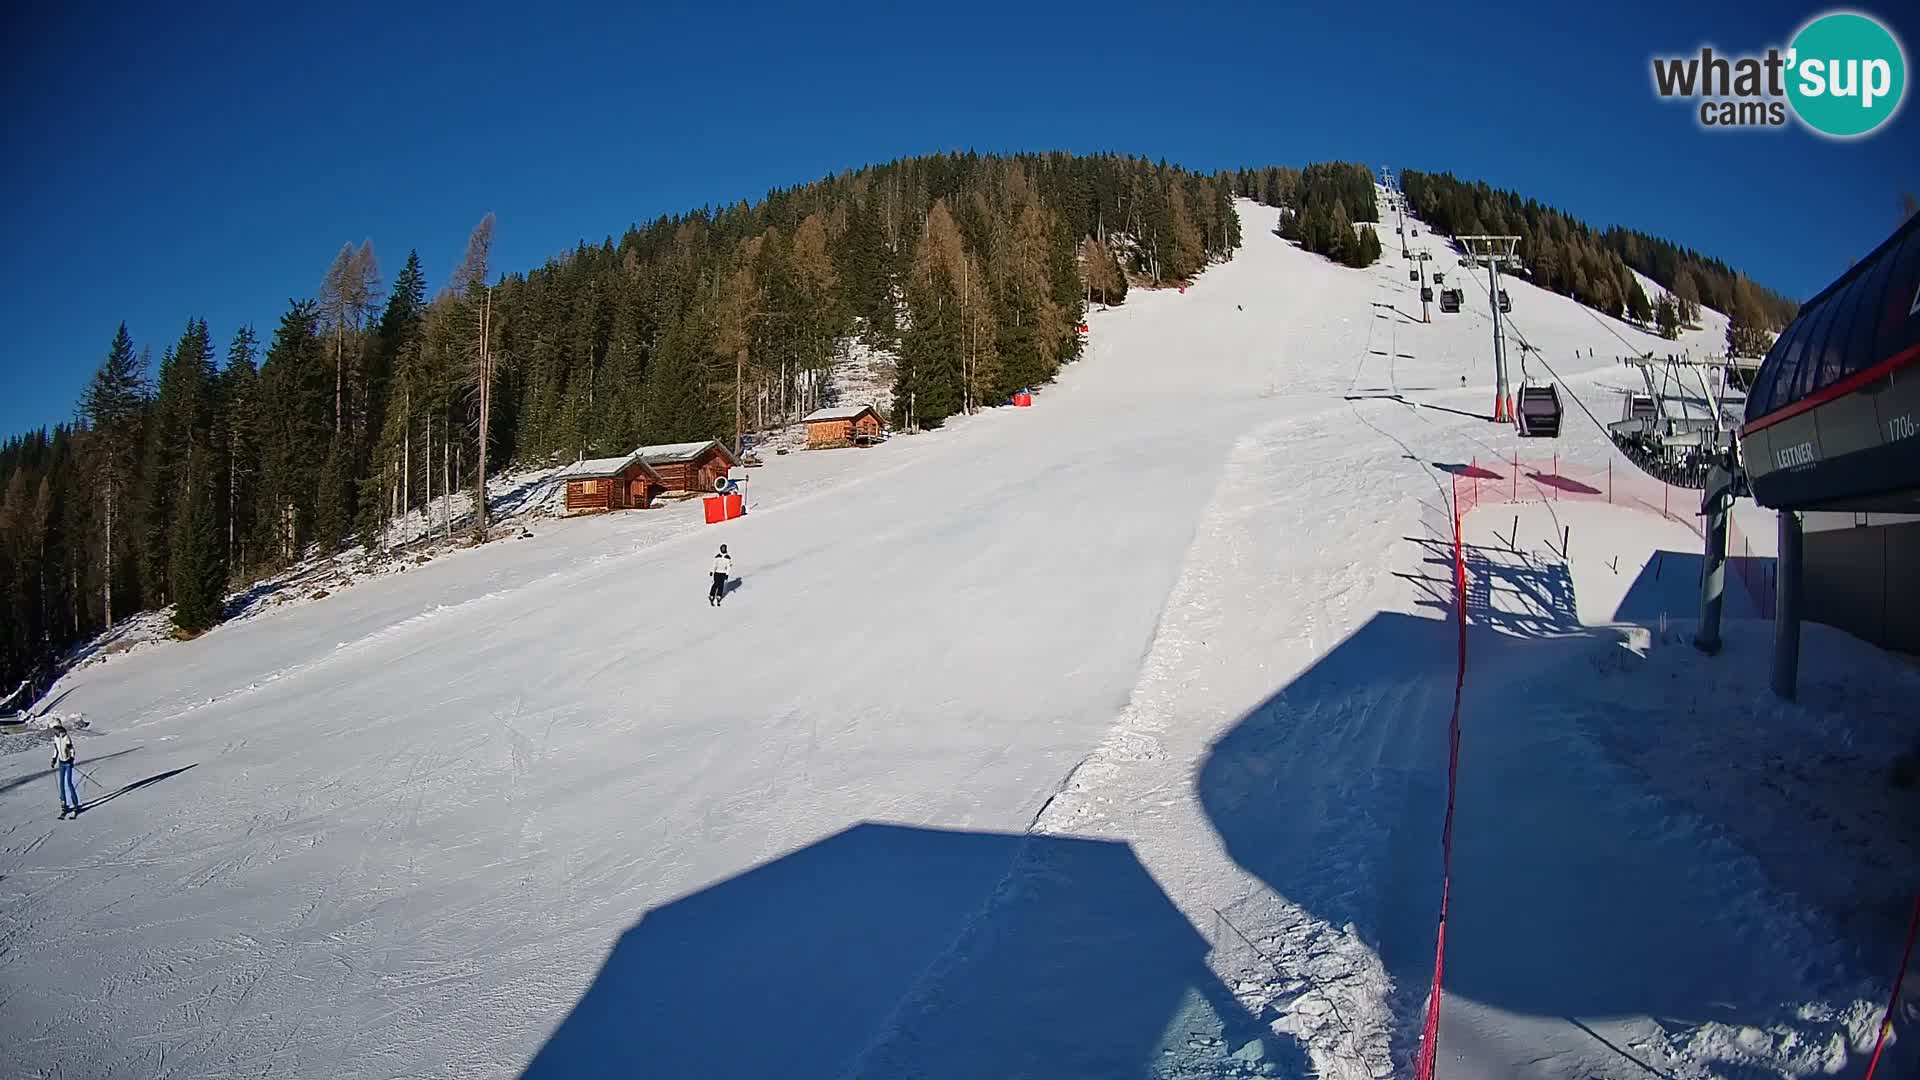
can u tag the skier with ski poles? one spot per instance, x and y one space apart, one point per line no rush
63 764
722 567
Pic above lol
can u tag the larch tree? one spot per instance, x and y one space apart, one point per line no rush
471 292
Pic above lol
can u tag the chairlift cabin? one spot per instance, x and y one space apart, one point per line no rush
1538 412
1439 277
1450 301
1413 275
1426 296
1506 305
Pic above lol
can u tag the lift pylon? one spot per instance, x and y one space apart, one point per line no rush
1495 250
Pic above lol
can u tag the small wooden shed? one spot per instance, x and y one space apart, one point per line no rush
690 466
598 485
842 427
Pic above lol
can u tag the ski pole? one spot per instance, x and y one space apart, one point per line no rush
90 778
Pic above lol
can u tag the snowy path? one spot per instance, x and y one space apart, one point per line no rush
1096 738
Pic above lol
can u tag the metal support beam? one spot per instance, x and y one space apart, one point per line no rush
1496 250
1715 503
1786 616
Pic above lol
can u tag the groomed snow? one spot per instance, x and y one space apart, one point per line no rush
1101 738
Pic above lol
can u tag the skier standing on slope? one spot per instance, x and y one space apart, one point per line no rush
722 567
63 762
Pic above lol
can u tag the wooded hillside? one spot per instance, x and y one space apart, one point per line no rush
176 483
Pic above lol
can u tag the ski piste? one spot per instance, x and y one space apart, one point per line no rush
1128 763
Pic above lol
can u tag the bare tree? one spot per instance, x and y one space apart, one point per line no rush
347 296
470 290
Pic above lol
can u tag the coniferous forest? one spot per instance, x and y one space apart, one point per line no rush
1329 208
241 451
1574 259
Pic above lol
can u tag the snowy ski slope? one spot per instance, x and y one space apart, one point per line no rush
1101 738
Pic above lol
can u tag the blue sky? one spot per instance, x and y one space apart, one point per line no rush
163 165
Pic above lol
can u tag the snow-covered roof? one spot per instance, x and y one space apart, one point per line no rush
845 412
669 453
594 468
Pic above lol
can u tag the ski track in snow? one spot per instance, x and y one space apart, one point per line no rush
1133 765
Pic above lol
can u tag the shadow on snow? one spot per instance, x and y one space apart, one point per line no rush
889 950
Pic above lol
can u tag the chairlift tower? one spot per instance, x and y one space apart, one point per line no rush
1495 250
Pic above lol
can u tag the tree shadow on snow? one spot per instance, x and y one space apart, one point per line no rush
891 951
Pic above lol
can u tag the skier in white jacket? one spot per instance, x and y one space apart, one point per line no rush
63 764
722 567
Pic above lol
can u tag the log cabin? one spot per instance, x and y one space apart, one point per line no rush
598 485
689 466
846 426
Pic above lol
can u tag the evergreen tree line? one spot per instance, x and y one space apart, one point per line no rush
177 482
1561 253
1327 207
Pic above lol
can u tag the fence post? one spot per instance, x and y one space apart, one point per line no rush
1609 480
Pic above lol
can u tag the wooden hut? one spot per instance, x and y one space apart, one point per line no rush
598 485
690 466
849 426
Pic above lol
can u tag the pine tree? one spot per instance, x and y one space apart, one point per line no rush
331 516
293 417
238 391
113 405
1666 316
1637 307
181 428
197 572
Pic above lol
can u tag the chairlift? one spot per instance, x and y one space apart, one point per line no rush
1413 275
1439 277
1506 305
1450 301
1426 296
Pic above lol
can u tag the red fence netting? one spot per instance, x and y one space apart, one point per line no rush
1430 1035
1514 480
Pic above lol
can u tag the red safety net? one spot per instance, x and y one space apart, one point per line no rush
1516 480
